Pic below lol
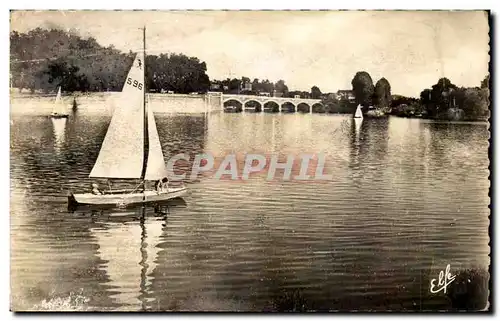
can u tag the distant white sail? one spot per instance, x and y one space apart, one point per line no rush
155 168
121 154
59 108
359 113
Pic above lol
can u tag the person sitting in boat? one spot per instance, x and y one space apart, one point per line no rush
164 184
159 186
96 190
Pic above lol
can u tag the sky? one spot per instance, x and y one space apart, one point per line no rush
411 49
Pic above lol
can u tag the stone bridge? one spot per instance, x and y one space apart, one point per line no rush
262 103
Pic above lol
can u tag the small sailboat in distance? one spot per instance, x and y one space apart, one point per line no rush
59 111
359 113
131 149
75 104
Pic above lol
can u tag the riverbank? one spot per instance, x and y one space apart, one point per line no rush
454 116
418 111
40 103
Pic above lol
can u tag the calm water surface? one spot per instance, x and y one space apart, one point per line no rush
407 197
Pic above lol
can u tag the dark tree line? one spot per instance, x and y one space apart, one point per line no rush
245 86
44 59
367 94
444 100
177 73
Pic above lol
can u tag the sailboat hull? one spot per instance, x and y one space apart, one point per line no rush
126 198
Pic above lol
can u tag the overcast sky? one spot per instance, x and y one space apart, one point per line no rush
325 48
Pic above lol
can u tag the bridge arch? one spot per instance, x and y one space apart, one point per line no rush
257 105
233 105
303 107
318 108
288 106
233 99
271 106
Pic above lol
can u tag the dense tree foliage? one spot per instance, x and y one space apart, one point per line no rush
382 93
44 59
281 87
257 87
405 106
177 73
333 105
315 92
245 86
473 101
444 96
362 86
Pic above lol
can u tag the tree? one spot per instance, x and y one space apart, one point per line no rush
476 102
425 96
281 87
41 59
441 97
66 76
176 72
382 94
315 92
267 86
235 85
362 86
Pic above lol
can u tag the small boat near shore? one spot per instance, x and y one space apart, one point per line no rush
131 150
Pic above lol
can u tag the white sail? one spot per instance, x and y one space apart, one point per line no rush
59 108
155 168
121 154
359 113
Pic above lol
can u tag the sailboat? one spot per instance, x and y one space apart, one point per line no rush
59 111
359 113
131 149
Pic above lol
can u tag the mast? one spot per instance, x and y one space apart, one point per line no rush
127 158
146 132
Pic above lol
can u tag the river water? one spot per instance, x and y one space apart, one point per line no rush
406 198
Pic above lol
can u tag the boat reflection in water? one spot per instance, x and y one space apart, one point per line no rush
59 125
128 241
357 126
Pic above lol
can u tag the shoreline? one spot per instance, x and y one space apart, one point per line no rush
103 101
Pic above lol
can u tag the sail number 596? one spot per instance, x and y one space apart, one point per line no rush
134 83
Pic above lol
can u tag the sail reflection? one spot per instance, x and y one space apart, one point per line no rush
357 127
128 244
59 126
